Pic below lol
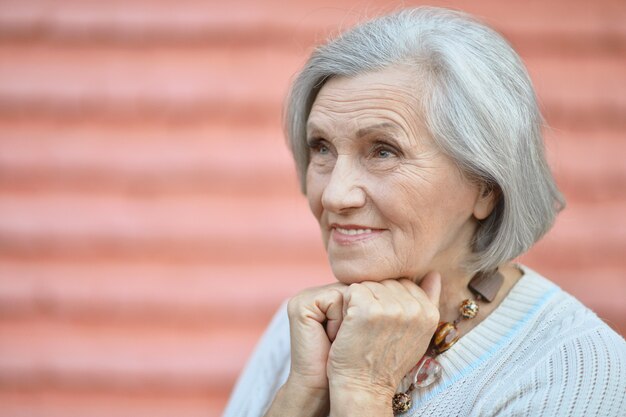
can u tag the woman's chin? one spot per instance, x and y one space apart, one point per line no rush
354 273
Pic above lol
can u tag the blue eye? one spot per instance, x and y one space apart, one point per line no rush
384 150
319 146
384 153
322 149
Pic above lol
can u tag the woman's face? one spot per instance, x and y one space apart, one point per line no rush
388 202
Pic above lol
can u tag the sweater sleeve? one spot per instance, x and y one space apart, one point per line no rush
265 371
582 376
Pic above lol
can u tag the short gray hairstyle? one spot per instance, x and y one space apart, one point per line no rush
479 106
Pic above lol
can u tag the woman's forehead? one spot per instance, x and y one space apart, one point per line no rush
392 83
382 100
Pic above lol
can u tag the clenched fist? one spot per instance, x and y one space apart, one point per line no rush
386 328
315 316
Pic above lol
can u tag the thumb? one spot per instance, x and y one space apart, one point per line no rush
431 285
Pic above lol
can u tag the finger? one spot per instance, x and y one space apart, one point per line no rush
307 304
357 296
402 293
389 293
331 305
377 289
412 288
431 285
415 290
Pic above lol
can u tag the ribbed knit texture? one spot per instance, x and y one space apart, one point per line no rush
540 353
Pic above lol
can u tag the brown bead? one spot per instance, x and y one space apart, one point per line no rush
486 284
468 309
445 337
401 403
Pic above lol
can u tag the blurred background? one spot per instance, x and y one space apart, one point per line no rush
150 220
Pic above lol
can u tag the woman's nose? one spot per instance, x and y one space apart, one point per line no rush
344 189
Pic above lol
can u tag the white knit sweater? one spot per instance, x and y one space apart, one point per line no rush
540 353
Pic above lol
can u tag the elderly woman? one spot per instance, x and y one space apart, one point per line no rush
418 144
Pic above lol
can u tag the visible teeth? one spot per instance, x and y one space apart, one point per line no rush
353 231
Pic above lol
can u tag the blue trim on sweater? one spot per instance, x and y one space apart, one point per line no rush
494 349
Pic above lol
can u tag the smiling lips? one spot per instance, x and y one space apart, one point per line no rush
348 234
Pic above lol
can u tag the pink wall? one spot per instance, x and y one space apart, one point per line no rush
150 221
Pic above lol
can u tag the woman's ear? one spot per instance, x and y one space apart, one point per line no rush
486 201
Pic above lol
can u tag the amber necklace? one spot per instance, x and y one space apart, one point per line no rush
485 287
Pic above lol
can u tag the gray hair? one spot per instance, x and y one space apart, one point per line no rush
479 106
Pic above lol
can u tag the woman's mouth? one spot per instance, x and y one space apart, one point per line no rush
348 234
352 231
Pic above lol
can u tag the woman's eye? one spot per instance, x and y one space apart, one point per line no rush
322 149
385 153
319 147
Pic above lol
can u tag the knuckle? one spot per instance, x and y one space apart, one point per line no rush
354 290
432 316
293 306
396 312
372 313
414 310
295 303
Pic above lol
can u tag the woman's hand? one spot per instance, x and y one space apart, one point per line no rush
315 316
386 329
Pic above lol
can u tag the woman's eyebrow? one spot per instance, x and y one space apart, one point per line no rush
378 128
385 127
314 130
